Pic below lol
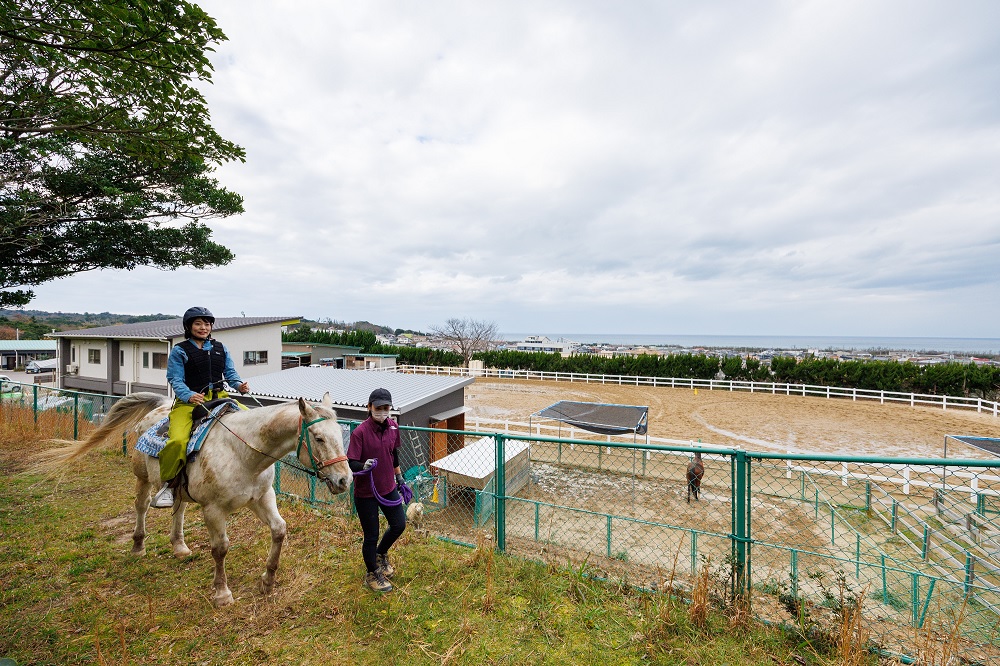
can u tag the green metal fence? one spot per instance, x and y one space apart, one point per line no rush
920 537
62 413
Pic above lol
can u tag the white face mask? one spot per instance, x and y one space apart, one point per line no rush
380 415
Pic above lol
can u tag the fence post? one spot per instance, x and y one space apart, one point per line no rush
741 526
76 415
895 515
501 494
694 552
34 391
868 497
970 572
795 574
857 555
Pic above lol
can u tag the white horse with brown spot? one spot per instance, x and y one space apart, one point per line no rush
234 469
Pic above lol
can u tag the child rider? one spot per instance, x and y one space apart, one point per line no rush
196 369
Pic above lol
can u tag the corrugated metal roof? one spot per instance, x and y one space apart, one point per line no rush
352 387
166 328
27 345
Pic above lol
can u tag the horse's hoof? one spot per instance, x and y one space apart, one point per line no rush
181 551
222 599
139 551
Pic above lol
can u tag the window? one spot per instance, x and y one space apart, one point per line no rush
255 358
93 356
159 361
72 354
145 359
121 357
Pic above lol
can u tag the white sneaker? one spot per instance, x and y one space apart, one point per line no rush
163 499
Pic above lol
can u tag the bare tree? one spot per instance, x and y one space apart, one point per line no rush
468 335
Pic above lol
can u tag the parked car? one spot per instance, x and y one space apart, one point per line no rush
34 367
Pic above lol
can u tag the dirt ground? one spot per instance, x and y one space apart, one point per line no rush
753 421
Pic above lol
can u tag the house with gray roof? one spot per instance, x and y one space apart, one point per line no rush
17 353
294 354
118 360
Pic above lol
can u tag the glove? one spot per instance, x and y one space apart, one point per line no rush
371 462
399 479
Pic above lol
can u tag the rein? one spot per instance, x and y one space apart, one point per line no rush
304 437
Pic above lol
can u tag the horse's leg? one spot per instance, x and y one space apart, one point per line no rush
215 521
266 509
177 528
143 488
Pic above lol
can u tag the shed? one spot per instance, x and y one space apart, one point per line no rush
474 468
475 465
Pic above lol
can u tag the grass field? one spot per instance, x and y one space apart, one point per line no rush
70 592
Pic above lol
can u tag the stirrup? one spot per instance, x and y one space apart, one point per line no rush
163 499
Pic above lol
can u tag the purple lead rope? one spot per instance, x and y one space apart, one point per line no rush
403 488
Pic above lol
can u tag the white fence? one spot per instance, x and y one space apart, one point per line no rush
911 399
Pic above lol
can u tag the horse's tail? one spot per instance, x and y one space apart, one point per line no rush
124 414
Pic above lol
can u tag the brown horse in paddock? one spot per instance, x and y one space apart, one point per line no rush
695 472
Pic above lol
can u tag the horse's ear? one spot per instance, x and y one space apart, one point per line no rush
327 401
302 406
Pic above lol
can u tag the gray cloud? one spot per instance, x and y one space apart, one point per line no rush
817 168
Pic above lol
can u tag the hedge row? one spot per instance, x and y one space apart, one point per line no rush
957 379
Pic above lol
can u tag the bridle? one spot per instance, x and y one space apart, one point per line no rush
305 438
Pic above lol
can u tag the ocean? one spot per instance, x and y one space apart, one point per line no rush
833 342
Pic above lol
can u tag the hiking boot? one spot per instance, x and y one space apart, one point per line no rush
383 565
377 581
163 499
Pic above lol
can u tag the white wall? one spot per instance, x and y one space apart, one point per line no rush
254 338
88 369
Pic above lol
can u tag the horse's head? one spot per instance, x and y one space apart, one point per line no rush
321 444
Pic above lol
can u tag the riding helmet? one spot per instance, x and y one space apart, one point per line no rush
196 313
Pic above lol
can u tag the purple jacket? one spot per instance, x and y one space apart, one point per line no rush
372 440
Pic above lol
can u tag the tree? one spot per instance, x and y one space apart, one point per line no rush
468 335
106 149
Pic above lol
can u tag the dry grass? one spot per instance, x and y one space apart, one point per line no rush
854 636
698 609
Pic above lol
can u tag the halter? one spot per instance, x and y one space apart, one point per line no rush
305 438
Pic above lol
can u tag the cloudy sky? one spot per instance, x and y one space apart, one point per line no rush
770 168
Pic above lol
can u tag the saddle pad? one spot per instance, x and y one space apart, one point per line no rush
153 440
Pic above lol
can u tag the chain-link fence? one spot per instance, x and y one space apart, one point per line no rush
798 534
62 414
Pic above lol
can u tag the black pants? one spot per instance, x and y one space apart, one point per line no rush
368 515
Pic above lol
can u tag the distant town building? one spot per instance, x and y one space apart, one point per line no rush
540 343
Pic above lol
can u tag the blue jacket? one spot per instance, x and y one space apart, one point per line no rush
175 370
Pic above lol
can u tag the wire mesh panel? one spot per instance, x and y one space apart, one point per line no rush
916 543
60 413
917 539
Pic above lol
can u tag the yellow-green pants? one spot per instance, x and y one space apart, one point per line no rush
173 457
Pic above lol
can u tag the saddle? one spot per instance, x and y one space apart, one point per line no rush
204 416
